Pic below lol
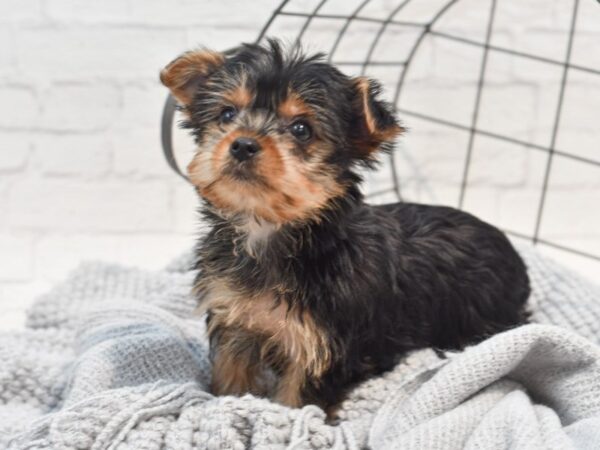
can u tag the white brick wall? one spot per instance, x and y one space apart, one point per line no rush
81 171
82 176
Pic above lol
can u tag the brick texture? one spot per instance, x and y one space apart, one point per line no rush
82 176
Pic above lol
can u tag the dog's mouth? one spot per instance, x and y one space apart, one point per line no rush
271 183
242 171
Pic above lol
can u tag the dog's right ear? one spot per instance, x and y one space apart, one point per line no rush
185 74
377 121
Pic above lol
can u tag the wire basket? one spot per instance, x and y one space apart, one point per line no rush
500 115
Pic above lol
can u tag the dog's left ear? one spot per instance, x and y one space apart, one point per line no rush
189 71
377 122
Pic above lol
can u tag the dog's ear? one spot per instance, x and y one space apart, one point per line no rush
186 73
377 123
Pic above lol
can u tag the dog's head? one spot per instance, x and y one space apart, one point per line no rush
278 132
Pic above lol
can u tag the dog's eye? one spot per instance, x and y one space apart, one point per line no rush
227 114
301 130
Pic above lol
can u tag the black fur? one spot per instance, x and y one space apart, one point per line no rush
380 280
269 72
384 280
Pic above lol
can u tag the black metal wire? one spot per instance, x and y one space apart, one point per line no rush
561 96
427 29
355 17
380 31
473 130
342 32
269 22
480 82
512 52
307 22
396 101
166 134
497 136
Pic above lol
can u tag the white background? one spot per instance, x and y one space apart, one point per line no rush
81 171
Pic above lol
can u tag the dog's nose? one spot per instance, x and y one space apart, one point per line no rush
244 148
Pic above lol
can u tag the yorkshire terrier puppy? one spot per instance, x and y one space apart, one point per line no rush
308 289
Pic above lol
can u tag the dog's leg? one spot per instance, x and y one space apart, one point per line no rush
235 364
290 386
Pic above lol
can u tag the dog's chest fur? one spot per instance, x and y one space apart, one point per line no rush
229 307
262 327
254 234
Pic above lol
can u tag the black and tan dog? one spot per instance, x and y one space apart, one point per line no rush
309 289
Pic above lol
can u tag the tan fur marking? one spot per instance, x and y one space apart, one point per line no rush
271 166
289 389
363 88
180 75
240 97
378 134
294 106
234 371
291 337
293 193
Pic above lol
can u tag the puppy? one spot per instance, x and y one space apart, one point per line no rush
308 289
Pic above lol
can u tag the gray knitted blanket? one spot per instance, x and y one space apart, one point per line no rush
112 359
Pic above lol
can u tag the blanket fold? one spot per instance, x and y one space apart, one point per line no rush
113 358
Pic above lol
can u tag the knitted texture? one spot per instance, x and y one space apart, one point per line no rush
114 358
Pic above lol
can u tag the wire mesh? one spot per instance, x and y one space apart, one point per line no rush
331 21
427 28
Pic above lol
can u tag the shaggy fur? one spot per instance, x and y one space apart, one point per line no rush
308 288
